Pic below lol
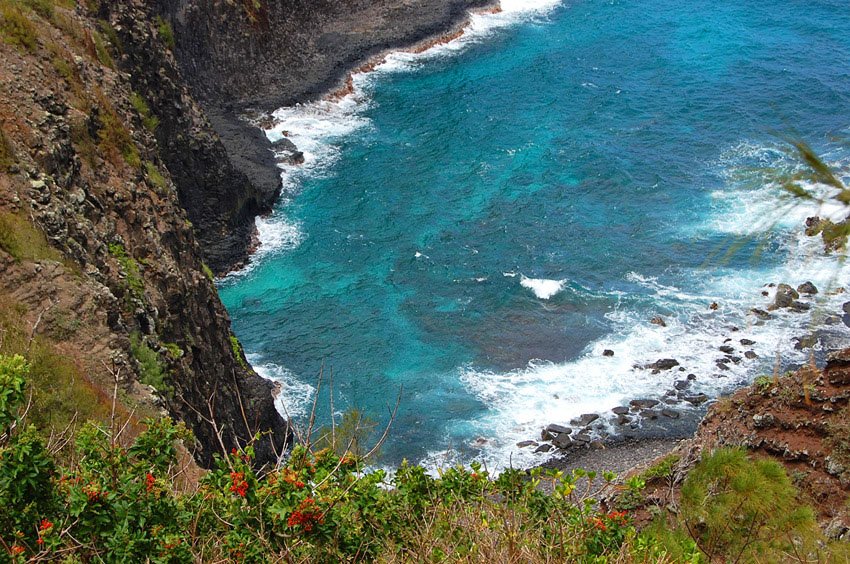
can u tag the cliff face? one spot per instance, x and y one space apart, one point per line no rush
82 171
269 53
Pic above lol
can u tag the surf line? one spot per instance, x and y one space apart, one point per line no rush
455 33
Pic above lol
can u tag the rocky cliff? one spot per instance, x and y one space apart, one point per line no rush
101 150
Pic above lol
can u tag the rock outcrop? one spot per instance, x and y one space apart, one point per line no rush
84 107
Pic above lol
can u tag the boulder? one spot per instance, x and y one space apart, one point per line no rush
643 403
663 364
807 288
671 413
697 399
623 419
543 448
558 429
746 342
562 441
607 352
751 355
523 444
785 296
582 438
761 314
649 414
727 349
584 420
658 320
620 410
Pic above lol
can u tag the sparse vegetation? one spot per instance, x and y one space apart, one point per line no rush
150 121
157 180
23 241
7 153
132 276
15 27
238 354
165 32
151 368
207 270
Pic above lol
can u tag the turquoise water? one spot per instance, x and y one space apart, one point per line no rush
475 225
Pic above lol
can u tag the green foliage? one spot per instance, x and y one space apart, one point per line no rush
151 369
7 153
160 184
16 28
13 373
59 392
736 508
351 435
207 270
114 139
150 121
663 469
173 349
43 8
165 32
132 276
23 241
238 354
763 383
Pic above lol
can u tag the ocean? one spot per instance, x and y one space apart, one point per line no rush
474 225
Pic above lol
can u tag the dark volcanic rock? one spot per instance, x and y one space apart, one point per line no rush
727 349
658 320
607 352
671 413
643 403
620 410
681 384
523 444
751 355
807 288
785 296
543 448
697 399
747 342
761 314
562 441
584 420
558 429
663 364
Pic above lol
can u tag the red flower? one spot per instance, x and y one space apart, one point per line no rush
40 541
45 524
599 524
238 484
150 482
299 484
18 549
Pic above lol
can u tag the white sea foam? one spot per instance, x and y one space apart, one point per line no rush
542 288
523 401
295 397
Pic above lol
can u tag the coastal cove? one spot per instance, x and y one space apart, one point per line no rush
475 225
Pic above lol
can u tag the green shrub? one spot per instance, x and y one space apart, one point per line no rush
16 29
43 8
160 184
132 276
165 32
206 269
736 508
7 153
150 121
151 369
23 241
238 354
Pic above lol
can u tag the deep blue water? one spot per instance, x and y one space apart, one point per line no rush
611 148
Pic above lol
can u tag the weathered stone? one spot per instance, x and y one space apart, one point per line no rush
620 410
623 419
671 413
807 288
784 297
524 444
751 355
643 403
543 448
681 384
649 414
697 399
562 441
663 364
558 429
658 320
761 314
727 349
584 420
747 342
764 420
607 352
582 438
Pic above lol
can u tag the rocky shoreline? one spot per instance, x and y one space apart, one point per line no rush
628 436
